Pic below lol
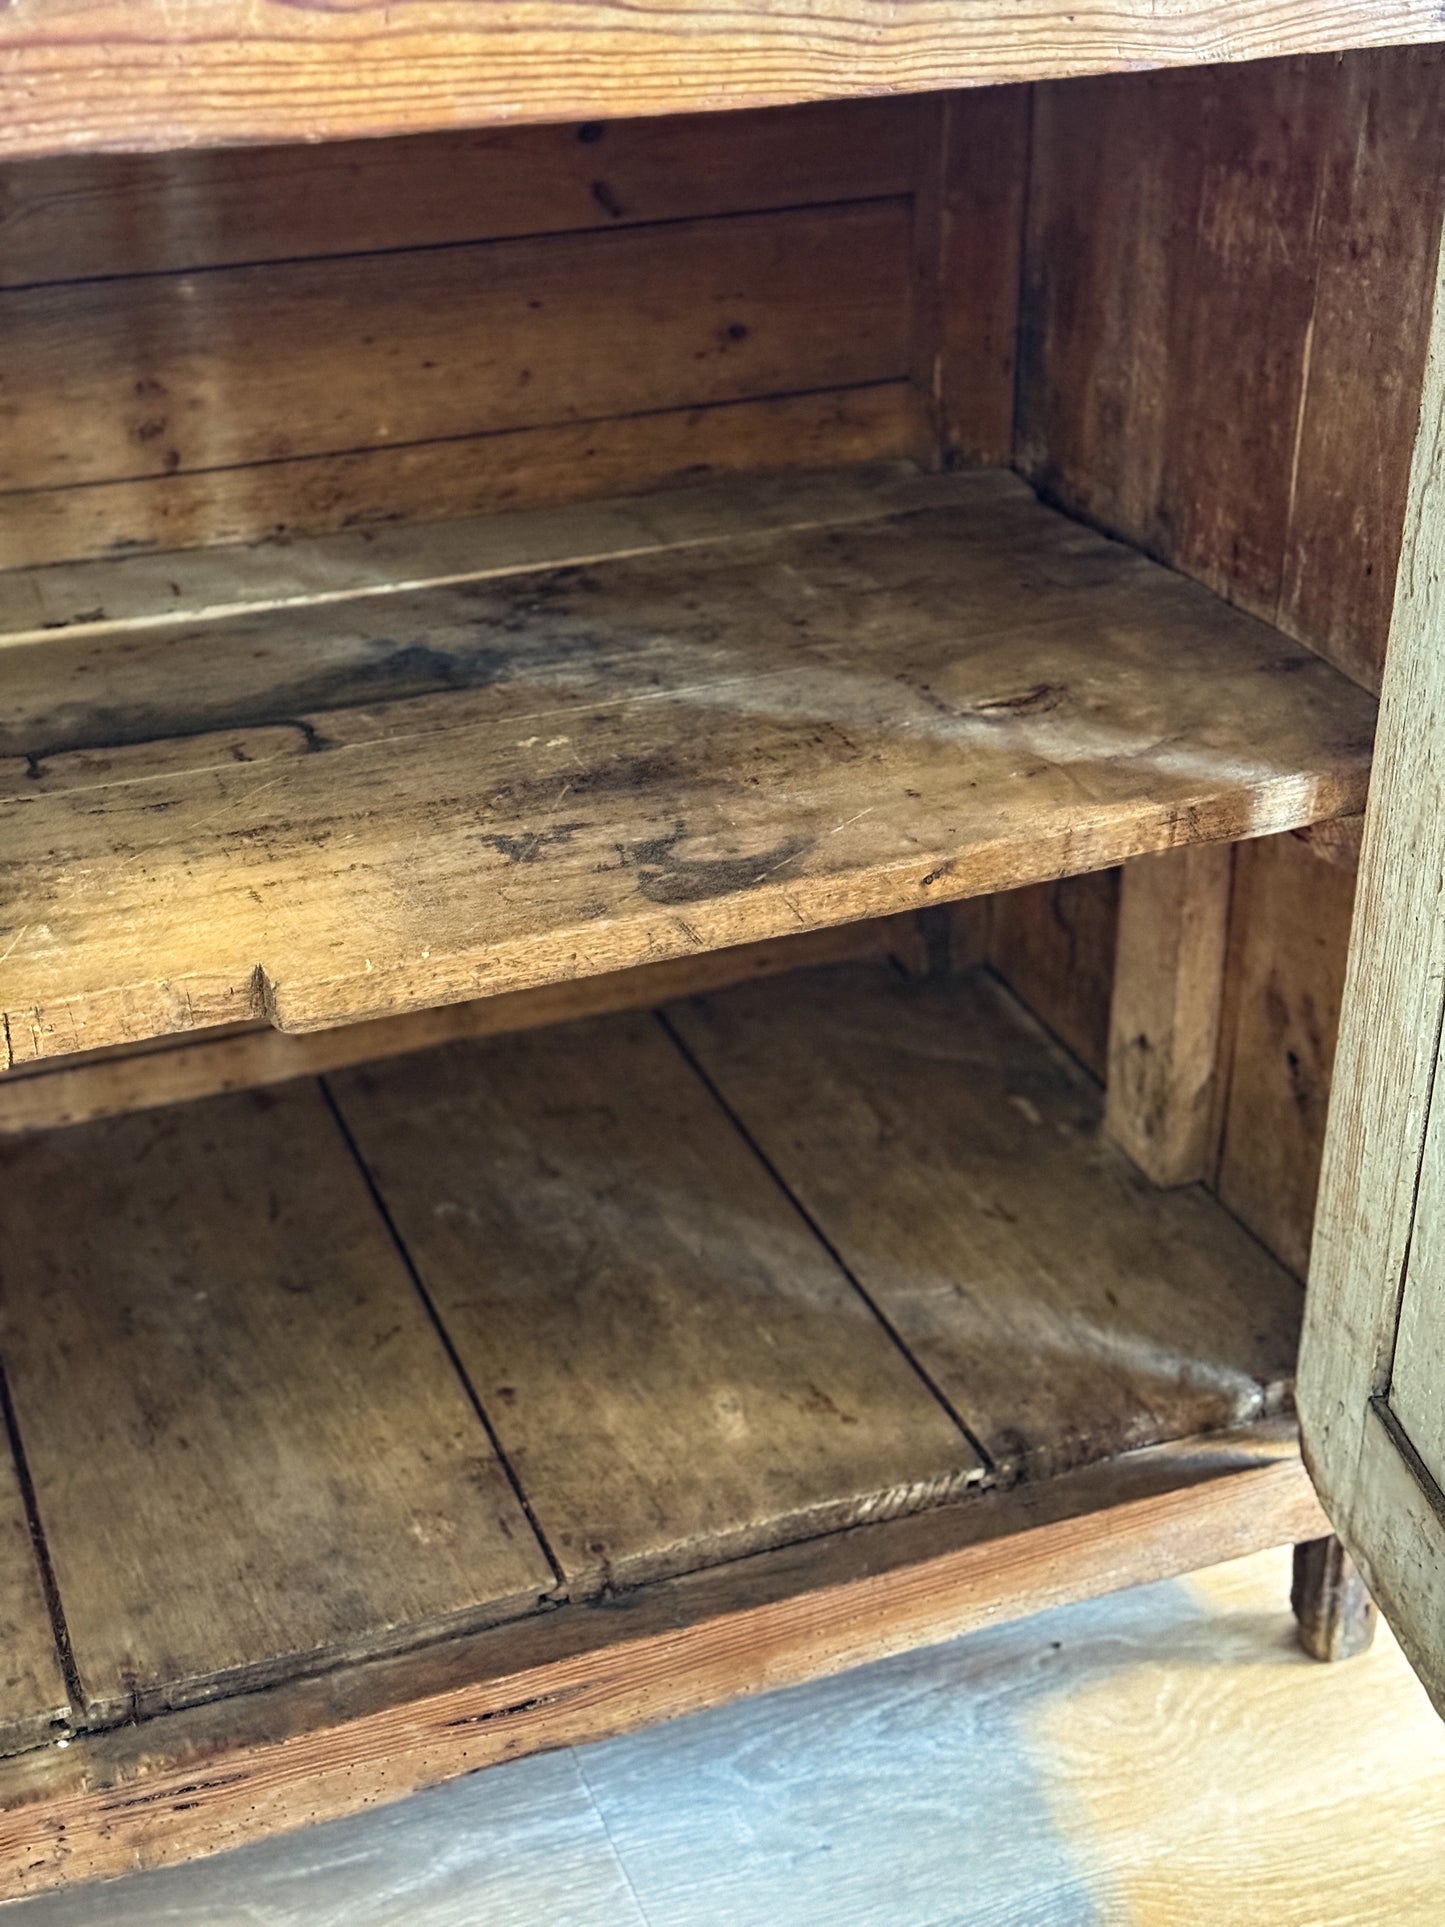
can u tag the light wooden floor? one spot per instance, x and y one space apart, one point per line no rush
1163 1757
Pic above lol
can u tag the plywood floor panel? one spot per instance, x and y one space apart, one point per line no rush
677 1370
951 1154
489 785
249 1449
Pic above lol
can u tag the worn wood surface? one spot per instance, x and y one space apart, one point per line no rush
1336 1616
972 177
125 378
436 326
1381 1104
34 1702
105 1083
250 1451
98 598
1291 935
84 216
605 766
676 1369
1416 1382
1224 322
1162 1105
1053 944
96 75
509 470
214 1776
954 1159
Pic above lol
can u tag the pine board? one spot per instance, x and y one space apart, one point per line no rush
953 1158
596 767
676 1369
85 74
110 380
33 1699
249 1449
82 216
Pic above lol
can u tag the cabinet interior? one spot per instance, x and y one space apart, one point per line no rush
681 800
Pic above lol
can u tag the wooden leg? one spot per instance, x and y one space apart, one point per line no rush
1336 1615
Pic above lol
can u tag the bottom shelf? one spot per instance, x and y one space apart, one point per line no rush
522 1390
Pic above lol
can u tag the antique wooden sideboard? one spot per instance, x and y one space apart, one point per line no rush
687 697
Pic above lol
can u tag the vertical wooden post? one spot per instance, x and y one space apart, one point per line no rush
1164 1021
970 185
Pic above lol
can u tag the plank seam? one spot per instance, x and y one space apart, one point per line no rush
899 379
428 1303
533 235
990 1469
60 1630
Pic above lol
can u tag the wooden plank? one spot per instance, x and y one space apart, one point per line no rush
953 1158
107 1083
1292 917
1377 226
1053 945
1417 1388
1386 1079
456 477
663 755
985 182
85 216
678 1371
1224 323
1165 1021
1169 290
113 380
135 592
213 1777
278 1465
99 75
34 1703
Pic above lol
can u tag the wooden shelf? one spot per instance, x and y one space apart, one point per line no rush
100 74
838 1258
349 778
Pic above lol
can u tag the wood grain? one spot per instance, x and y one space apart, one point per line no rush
514 469
1163 1100
665 754
953 1158
249 1449
34 1703
676 1369
211 1777
88 216
1337 1617
107 1083
1053 945
134 592
1224 316
115 380
1380 1105
984 168
1292 929
89 74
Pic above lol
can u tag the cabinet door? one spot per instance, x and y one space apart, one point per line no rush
1372 1367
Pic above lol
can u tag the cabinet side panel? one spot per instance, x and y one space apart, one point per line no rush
1225 313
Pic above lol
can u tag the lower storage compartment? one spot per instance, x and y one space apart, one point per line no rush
372 1428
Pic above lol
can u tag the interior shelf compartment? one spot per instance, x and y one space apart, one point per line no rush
357 776
525 1389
